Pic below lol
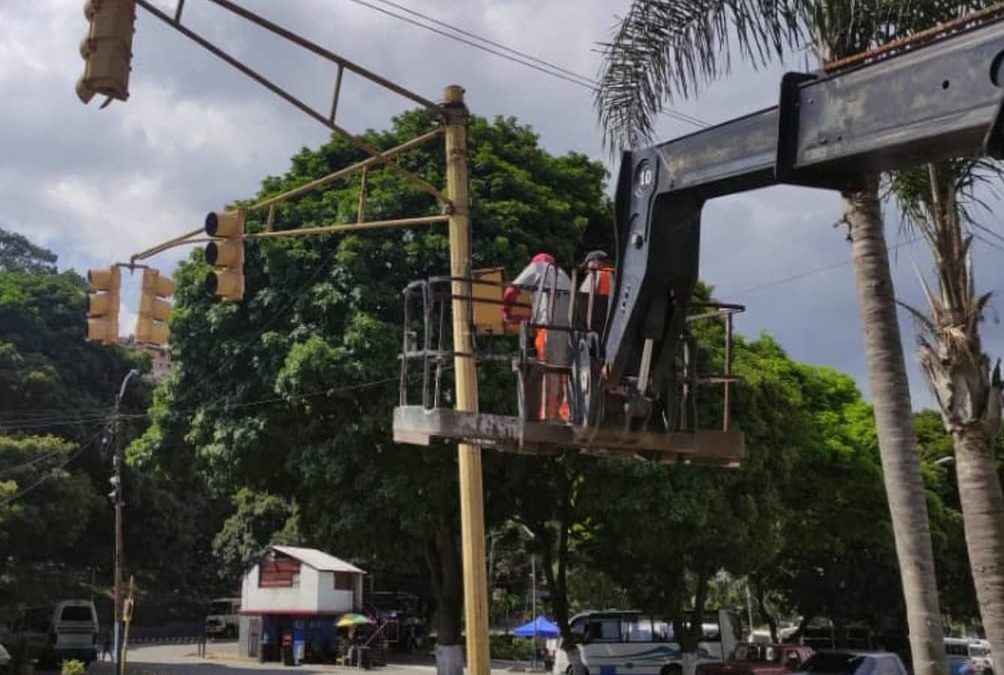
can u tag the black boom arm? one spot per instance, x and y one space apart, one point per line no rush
942 99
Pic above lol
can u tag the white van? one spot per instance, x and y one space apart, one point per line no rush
632 643
223 618
69 630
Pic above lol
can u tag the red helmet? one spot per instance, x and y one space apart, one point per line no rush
543 258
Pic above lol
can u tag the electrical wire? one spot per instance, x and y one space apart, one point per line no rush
330 391
514 55
47 413
51 473
482 38
64 422
807 273
29 463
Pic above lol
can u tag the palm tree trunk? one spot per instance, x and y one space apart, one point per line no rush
982 509
894 425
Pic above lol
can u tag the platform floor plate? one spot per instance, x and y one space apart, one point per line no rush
420 426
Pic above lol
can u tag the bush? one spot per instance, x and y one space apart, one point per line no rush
73 667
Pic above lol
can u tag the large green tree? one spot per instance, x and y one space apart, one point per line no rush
56 393
290 392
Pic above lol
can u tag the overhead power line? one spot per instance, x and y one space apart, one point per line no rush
52 472
495 48
807 273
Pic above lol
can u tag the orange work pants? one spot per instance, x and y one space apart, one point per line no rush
553 401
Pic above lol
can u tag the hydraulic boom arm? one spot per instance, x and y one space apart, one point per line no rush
942 99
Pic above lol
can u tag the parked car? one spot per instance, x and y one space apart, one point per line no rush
758 658
67 630
223 619
852 662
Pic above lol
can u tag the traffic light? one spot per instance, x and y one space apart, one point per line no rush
226 254
154 308
107 49
103 305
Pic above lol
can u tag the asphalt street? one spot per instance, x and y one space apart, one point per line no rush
221 659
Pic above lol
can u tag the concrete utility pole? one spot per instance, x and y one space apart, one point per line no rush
472 519
117 459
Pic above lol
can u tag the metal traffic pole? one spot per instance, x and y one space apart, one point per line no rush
472 519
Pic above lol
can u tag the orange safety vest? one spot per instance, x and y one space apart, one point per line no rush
604 281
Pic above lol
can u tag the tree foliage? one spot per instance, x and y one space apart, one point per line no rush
290 392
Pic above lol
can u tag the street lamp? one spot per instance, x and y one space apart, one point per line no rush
116 495
533 591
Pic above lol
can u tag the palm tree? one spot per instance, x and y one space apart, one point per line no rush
667 48
935 200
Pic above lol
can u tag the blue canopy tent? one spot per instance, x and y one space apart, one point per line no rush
540 627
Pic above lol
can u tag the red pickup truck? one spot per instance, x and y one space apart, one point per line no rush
756 658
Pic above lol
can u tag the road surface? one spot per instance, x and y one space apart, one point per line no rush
222 659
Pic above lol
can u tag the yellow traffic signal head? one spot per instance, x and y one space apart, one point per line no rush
226 254
154 309
103 305
107 49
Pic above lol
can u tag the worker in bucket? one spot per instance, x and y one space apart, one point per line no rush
549 287
595 290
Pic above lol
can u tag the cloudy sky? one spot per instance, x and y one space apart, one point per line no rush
98 185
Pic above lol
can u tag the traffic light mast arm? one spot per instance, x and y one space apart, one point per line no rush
327 120
342 173
270 203
300 232
187 238
937 100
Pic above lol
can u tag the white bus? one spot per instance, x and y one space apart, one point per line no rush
977 650
633 643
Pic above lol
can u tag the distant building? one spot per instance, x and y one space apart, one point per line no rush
297 594
160 362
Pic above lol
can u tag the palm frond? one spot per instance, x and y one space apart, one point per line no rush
668 48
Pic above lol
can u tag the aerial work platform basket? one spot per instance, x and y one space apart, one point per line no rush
531 404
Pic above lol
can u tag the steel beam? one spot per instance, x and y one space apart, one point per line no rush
934 101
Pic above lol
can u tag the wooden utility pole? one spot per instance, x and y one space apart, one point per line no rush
472 516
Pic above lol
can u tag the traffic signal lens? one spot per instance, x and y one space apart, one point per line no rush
228 253
225 224
210 282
